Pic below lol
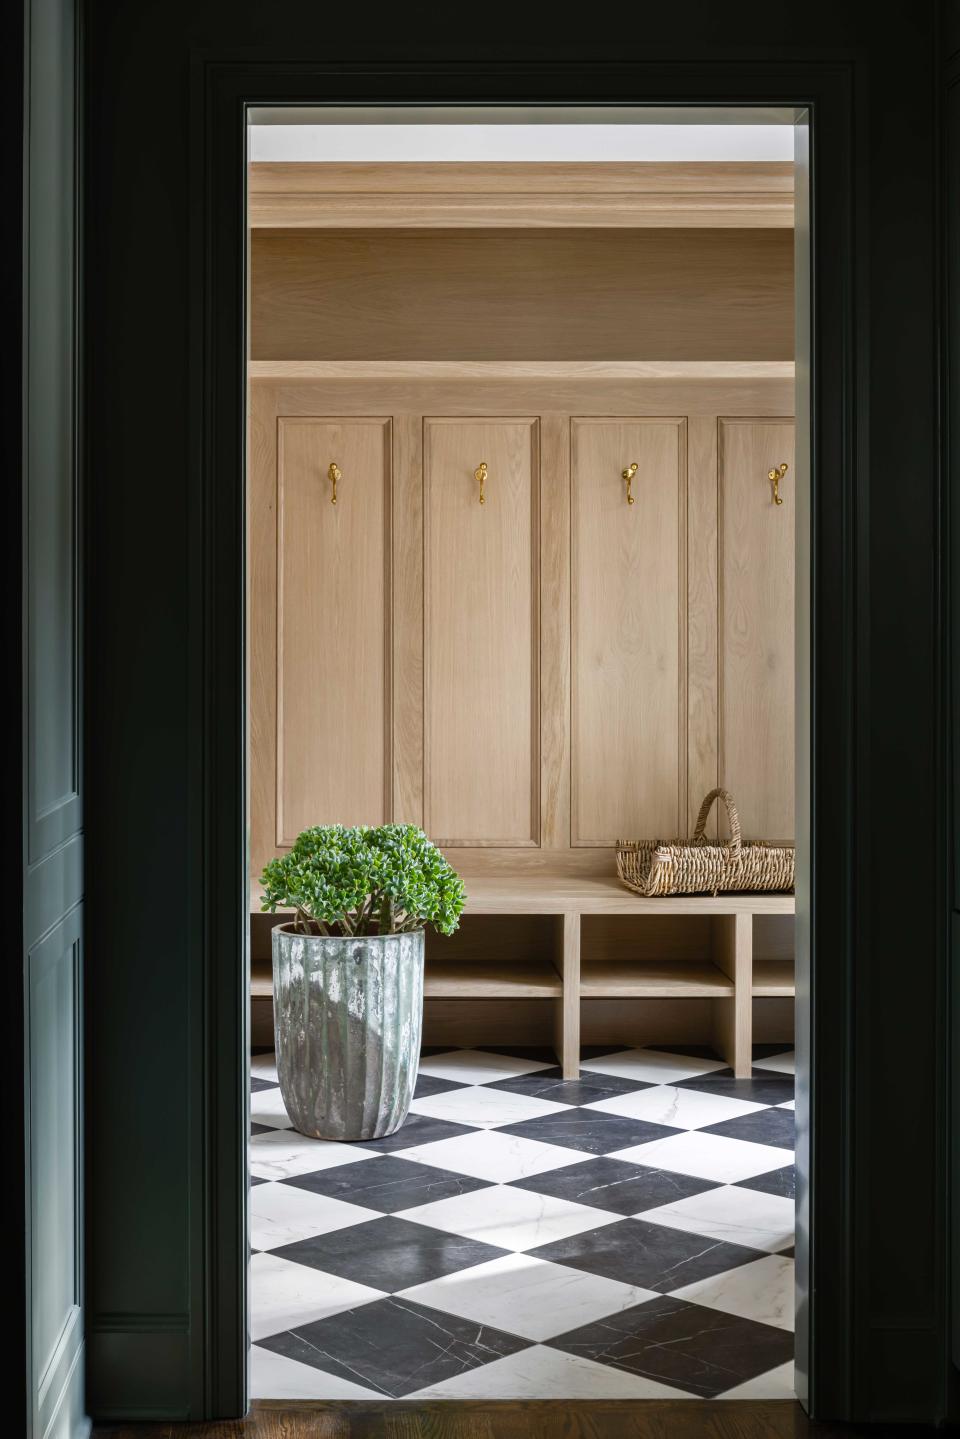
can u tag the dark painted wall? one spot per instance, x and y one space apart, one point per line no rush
150 1351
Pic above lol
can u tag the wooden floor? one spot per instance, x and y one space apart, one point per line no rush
601 1419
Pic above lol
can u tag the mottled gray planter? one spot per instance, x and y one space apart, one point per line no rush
347 1016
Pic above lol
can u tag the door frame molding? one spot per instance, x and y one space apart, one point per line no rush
835 804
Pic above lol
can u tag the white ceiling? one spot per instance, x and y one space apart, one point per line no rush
531 142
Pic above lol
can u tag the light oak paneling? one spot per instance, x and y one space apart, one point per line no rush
756 625
589 294
628 623
555 632
481 632
407 527
262 623
333 625
421 195
407 391
701 616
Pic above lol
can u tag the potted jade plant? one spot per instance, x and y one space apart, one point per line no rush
348 972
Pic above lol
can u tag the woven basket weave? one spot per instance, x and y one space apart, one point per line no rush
695 866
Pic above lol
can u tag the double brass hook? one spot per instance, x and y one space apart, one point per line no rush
628 475
775 476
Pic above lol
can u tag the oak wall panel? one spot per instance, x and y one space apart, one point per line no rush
628 629
521 295
481 632
333 625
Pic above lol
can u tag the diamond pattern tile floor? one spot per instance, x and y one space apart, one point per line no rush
624 1234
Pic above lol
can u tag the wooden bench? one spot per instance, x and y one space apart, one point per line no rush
727 975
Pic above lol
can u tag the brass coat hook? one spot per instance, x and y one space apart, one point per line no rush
333 475
775 476
628 475
480 475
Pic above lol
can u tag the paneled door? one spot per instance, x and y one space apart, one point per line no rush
481 631
332 623
43 798
628 629
756 622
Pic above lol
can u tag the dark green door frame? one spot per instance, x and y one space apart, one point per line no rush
873 1344
829 834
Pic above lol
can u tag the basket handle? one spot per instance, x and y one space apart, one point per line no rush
733 818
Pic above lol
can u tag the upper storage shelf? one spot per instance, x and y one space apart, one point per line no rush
365 196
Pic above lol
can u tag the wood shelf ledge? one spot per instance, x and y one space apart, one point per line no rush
653 979
602 894
581 370
479 979
773 977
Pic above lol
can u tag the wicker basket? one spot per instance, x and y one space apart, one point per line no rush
698 867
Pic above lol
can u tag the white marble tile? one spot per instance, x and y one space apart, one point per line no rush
775 1384
528 1296
762 1291
267 1107
789 1105
782 1063
681 1108
282 1214
284 1153
651 1066
473 1066
708 1156
491 1154
284 1295
510 1218
264 1066
273 1376
539 1373
483 1107
738 1216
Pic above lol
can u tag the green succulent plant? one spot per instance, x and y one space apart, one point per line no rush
364 880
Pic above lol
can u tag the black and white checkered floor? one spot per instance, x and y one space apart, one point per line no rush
627 1235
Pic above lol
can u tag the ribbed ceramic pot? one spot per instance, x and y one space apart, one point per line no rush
347 1017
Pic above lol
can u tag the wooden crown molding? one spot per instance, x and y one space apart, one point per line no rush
718 195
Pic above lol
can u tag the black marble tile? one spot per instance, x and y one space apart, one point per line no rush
394 1346
428 1084
764 1126
256 1179
691 1051
597 1051
588 1129
776 1181
389 1253
765 1086
537 1054
417 1129
256 1084
389 1185
614 1185
768 1051
685 1345
650 1255
264 1128
788 1253
588 1089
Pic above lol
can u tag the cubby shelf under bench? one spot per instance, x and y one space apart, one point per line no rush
575 966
